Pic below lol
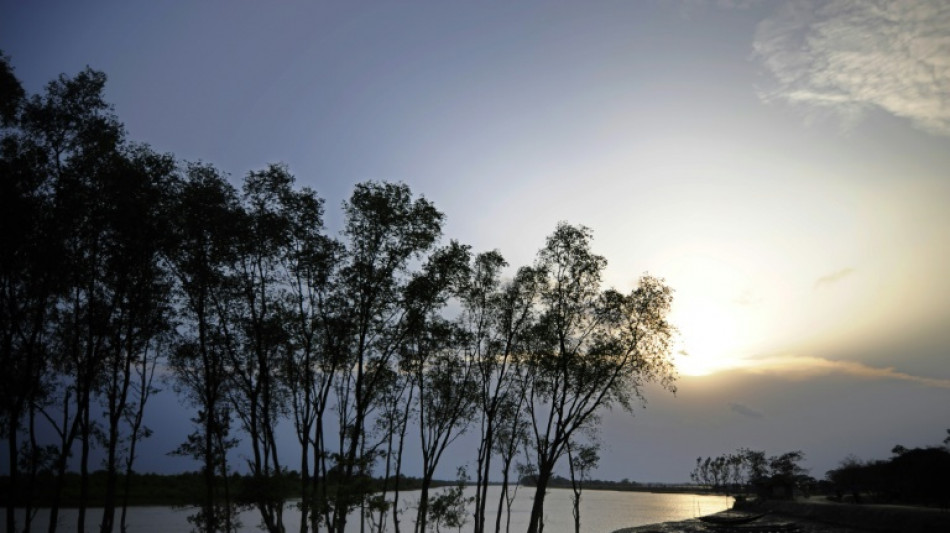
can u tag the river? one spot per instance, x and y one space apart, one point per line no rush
601 512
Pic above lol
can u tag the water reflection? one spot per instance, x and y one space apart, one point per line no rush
601 511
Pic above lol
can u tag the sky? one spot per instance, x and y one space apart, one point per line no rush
783 165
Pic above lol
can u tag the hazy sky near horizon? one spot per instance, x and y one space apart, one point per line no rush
784 165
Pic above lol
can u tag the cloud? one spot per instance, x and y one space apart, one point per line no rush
834 277
848 56
745 410
802 367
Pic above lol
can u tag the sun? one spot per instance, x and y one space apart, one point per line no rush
709 339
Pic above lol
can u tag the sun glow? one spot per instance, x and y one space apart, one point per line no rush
709 340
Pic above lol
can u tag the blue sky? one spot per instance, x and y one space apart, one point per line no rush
783 164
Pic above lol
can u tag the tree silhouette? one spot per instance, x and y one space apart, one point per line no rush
589 349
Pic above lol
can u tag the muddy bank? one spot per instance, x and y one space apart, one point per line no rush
872 518
822 516
695 526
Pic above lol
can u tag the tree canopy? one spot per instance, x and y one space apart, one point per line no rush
119 263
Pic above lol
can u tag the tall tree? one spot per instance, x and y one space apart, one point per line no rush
308 261
510 440
385 230
259 339
203 243
496 317
30 255
434 354
580 460
590 349
78 141
139 296
11 93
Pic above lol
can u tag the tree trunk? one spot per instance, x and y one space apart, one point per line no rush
484 465
399 453
14 471
66 443
536 525
502 497
108 511
305 483
28 511
84 465
209 473
423 510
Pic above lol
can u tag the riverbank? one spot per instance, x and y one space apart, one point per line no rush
818 515
695 526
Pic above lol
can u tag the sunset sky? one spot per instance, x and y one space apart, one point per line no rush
784 165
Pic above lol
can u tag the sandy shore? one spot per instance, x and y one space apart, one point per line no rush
817 515
695 526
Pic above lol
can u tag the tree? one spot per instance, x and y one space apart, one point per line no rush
77 143
11 93
202 245
433 353
308 261
385 229
139 288
581 461
448 508
496 316
589 349
510 440
85 294
785 472
731 471
31 253
258 339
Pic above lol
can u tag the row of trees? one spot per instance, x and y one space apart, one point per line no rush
909 476
752 471
119 263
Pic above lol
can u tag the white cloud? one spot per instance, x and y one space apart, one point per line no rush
847 56
803 367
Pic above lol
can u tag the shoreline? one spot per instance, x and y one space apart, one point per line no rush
817 515
693 525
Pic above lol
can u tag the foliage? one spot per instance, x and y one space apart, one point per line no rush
120 264
588 349
448 507
911 476
744 470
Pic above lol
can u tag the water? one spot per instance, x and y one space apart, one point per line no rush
601 511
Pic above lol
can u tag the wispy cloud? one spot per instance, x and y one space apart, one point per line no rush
834 277
847 56
745 410
806 366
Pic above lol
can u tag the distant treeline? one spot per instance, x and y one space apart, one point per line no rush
183 489
119 264
918 476
562 482
753 472
912 476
